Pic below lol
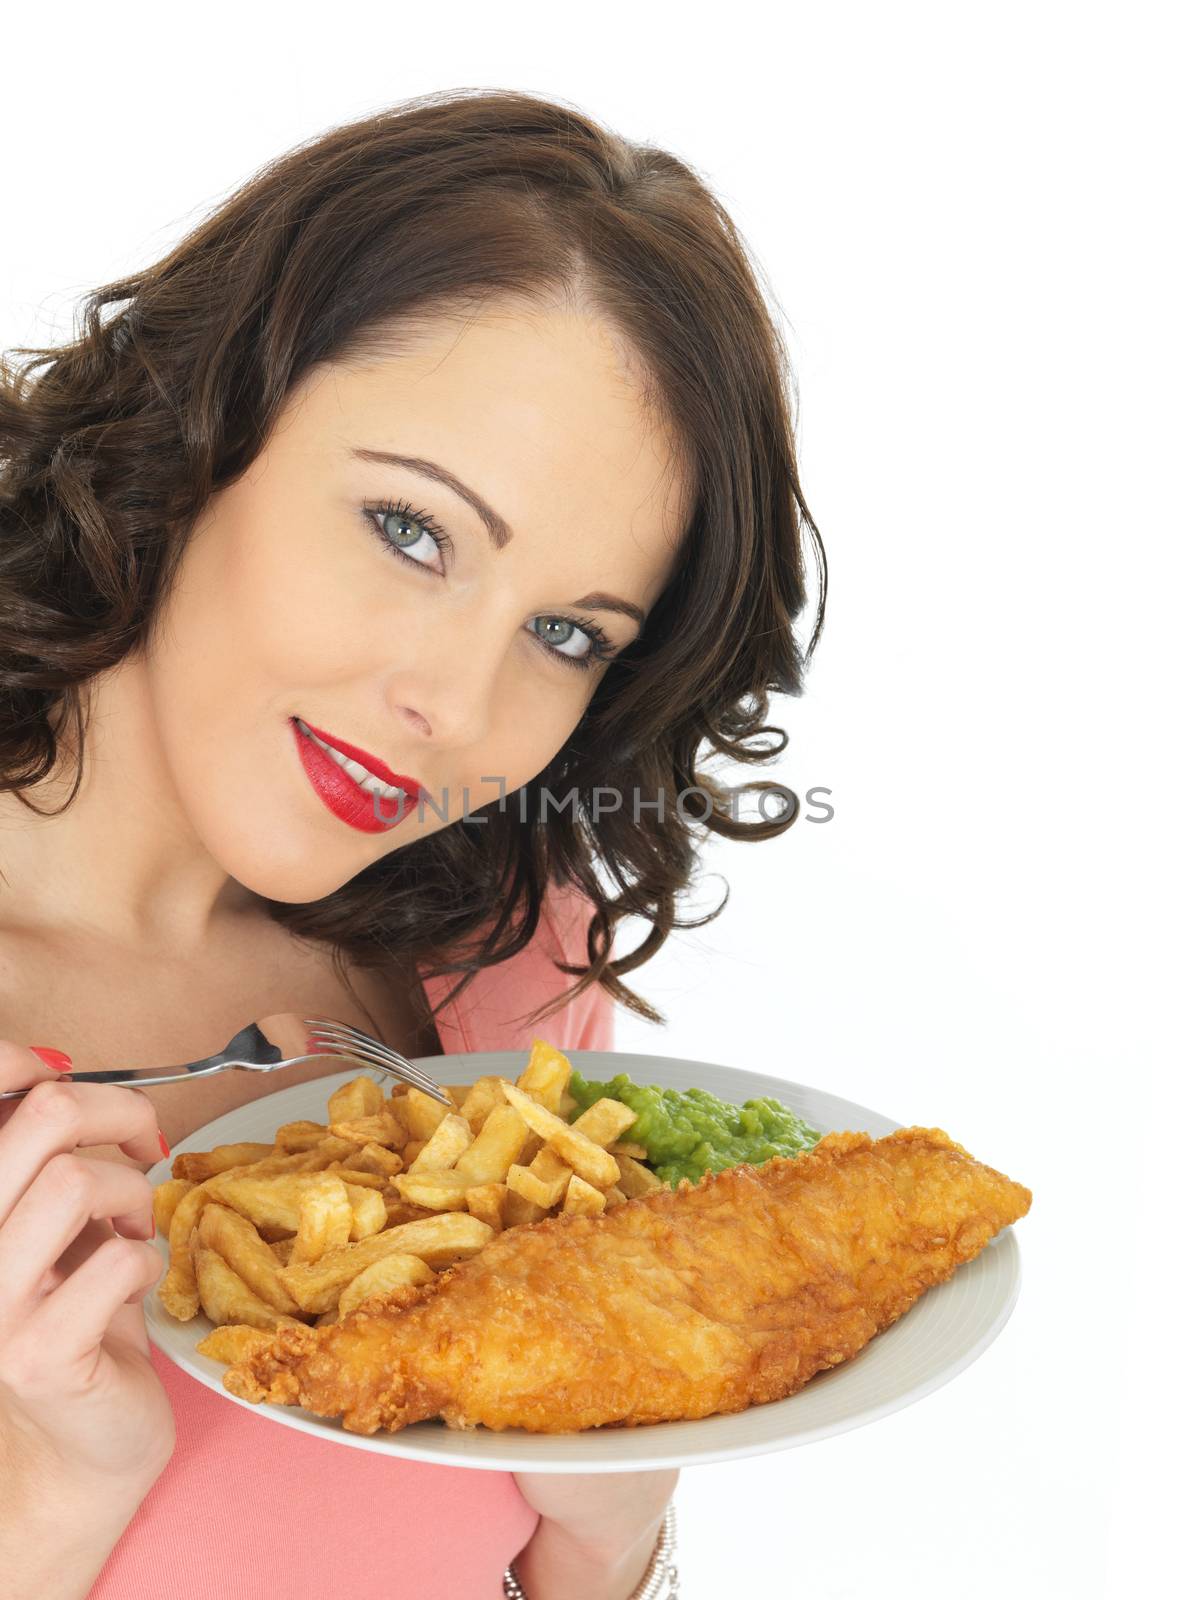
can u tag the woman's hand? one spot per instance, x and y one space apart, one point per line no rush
81 1407
597 1532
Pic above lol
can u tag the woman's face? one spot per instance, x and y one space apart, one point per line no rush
454 663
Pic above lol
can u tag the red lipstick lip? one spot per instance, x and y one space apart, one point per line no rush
349 801
377 769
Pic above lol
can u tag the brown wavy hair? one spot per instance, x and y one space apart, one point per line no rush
108 456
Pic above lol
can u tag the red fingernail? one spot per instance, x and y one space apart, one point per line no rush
58 1059
163 1145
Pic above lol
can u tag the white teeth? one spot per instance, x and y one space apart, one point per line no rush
360 774
365 780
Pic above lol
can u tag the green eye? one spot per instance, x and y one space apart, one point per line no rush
402 527
600 648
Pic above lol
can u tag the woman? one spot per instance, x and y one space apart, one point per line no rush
457 437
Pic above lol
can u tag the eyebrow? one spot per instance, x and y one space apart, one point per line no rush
499 531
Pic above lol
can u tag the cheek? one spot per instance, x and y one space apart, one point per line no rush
253 618
535 720
285 601
297 610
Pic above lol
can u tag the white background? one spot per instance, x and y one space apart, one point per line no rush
977 225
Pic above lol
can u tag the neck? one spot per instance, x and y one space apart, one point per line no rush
121 861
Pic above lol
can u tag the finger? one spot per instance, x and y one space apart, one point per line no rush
137 1224
56 1117
93 1233
20 1069
68 1325
127 1329
68 1192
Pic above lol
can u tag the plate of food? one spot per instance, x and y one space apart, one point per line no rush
600 1261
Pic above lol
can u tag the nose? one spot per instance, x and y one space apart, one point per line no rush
414 719
459 669
444 706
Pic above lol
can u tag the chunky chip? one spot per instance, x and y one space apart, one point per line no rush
422 1112
444 1145
324 1217
234 1341
379 1128
545 1078
590 1161
167 1196
496 1146
438 1240
361 1097
226 1298
294 1136
200 1164
240 1244
439 1191
369 1211
393 1271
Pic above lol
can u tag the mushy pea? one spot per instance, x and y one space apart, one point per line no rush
689 1133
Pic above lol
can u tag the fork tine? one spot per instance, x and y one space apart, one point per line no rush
347 1028
394 1070
361 1046
360 1052
342 1033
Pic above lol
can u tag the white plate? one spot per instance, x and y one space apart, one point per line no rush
943 1333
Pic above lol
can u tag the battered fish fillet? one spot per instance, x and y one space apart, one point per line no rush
710 1298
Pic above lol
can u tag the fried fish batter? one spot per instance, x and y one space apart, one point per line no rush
679 1304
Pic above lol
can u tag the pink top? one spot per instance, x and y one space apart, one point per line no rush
248 1509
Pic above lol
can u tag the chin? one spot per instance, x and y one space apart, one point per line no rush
280 859
293 888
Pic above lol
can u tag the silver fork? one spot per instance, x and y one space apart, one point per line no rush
270 1044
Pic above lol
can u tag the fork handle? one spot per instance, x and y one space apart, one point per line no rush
198 1069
